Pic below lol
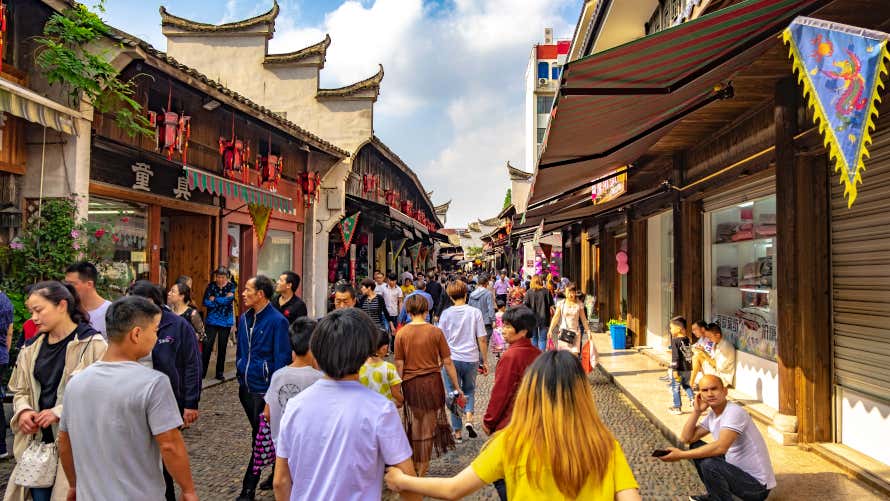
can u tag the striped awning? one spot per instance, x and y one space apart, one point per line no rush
216 185
615 105
35 108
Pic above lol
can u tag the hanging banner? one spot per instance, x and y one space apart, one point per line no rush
397 246
841 68
347 229
611 188
539 232
421 255
414 251
547 249
260 215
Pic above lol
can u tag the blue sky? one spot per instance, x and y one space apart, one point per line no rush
451 101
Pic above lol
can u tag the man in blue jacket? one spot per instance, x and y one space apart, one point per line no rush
263 348
218 298
175 355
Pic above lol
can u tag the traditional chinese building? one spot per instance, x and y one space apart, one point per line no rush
396 211
221 177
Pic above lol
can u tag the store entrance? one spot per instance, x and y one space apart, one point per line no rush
187 244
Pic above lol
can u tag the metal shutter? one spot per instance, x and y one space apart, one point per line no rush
751 191
860 262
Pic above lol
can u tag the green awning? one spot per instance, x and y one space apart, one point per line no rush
216 185
34 108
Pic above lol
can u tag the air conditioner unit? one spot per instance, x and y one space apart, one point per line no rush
542 82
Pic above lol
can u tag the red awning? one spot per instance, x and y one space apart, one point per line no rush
615 105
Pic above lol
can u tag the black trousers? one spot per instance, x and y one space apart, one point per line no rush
253 405
221 335
724 480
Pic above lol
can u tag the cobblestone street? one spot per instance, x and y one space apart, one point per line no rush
219 445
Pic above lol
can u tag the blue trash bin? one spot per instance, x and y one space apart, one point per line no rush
619 336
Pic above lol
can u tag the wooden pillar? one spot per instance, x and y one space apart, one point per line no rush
608 284
787 251
636 281
812 376
688 260
154 243
585 279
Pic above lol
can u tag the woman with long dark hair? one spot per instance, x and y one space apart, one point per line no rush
65 344
179 300
555 447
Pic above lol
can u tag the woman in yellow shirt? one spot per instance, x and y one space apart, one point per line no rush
555 447
407 287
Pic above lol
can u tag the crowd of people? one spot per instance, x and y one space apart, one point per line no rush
377 388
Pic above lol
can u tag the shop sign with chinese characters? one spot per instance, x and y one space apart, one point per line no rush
611 188
145 175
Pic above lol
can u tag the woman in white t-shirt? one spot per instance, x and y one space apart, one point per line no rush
565 328
465 332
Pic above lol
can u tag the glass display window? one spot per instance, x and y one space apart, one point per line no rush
276 254
741 276
126 257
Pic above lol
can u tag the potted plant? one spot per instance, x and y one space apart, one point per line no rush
618 331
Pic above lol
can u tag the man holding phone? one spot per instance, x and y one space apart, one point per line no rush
737 461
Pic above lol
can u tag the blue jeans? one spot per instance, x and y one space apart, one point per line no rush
724 480
41 494
466 377
539 338
681 379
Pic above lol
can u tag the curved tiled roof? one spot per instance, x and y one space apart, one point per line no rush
372 83
273 118
268 18
493 221
516 174
320 49
442 209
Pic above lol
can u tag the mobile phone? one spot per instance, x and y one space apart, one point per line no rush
657 453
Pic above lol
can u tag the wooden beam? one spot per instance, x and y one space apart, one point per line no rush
688 251
107 190
787 242
154 243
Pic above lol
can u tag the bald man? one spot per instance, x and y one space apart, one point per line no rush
737 461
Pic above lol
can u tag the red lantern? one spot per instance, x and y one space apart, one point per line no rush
309 184
183 133
408 207
234 166
369 183
168 125
2 31
270 170
392 198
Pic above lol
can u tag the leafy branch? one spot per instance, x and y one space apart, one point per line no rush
64 58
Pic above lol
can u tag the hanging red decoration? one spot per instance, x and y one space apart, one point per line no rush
408 207
234 155
392 198
183 133
2 32
369 183
168 123
309 187
270 167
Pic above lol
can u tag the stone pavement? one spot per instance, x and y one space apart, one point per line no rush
800 474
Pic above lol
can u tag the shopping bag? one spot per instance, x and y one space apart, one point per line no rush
263 449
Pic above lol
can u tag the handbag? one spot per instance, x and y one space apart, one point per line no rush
37 466
263 448
565 335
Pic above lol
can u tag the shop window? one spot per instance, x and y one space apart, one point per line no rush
742 275
276 254
125 250
543 70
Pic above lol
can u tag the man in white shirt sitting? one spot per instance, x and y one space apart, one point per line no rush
736 462
721 361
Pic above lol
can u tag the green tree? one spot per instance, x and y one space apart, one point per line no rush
64 57
508 198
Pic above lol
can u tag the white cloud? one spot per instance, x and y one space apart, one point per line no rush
451 101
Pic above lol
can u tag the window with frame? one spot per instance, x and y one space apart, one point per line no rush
544 104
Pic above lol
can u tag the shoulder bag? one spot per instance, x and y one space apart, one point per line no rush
565 335
38 465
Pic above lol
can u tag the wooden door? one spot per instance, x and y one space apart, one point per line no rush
189 244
